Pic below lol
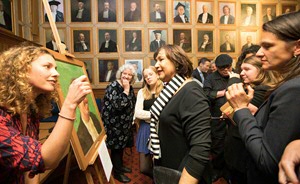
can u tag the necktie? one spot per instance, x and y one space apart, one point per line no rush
202 77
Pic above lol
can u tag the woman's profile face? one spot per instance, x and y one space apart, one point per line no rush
165 68
248 73
43 75
274 53
150 76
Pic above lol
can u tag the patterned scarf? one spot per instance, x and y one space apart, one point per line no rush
162 100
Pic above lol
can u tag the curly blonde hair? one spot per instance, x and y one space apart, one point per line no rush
15 90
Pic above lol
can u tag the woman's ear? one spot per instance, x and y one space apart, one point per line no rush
297 48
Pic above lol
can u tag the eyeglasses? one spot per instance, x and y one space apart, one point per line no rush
224 67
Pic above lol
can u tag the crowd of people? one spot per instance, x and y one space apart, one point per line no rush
183 135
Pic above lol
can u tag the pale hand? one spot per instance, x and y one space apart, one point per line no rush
232 74
237 97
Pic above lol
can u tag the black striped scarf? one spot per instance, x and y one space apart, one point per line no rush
164 97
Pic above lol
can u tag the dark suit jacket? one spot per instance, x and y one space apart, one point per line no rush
186 46
154 45
153 17
78 47
7 20
276 123
83 134
111 17
230 19
59 17
135 17
208 47
246 46
111 78
196 75
112 47
223 48
86 16
136 46
178 19
265 18
208 20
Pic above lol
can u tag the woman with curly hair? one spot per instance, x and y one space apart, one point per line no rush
28 84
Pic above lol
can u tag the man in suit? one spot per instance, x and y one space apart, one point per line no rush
157 15
81 45
134 43
249 19
108 45
52 44
5 18
205 17
181 17
158 42
110 74
57 15
227 46
134 15
138 72
269 16
81 14
200 72
106 15
248 44
184 43
227 18
206 45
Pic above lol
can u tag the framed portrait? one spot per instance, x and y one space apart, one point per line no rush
157 11
205 41
107 11
84 139
268 12
138 65
182 12
57 6
227 41
81 41
248 38
183 38
204 10
7 22
81 11
287 8
107 69
227 13
88 63
49 38
157 38
152 62
132 11
108 40
248 15
133 40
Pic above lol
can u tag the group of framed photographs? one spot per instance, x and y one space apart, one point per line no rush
106 34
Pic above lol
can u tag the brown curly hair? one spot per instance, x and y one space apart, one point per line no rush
15 91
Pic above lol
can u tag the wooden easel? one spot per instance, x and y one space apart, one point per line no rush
62 50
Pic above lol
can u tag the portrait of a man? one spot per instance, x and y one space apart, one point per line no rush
50 41
81 40
287 8
133 40
204 10
157 11
205 41
183 39
57 11
89 68
157 37
227 12
132 10
247 39
107 11
5 12
182 12
107 40
228 41
248 15
269 13
81 11
108 70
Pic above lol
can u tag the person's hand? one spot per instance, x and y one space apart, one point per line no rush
237 96
232 74
288 162
221 93
78 90
126 85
